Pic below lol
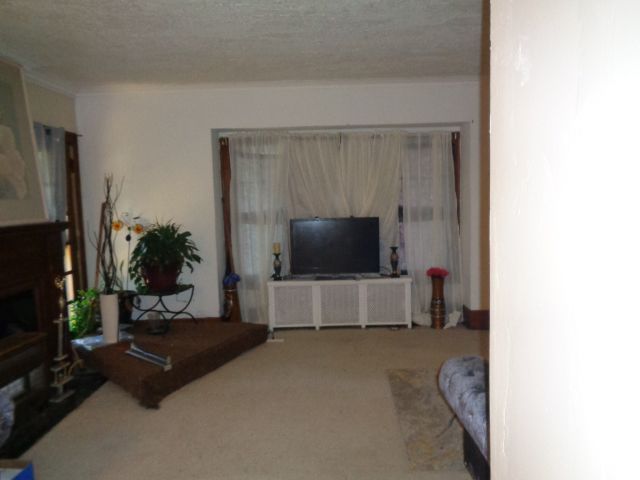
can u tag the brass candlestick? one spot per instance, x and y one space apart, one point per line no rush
277 267
62 366
394 258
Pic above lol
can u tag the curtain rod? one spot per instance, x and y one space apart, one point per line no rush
446 128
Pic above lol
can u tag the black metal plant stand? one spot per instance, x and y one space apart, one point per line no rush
159 307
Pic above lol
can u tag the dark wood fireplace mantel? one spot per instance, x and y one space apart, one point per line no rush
31 256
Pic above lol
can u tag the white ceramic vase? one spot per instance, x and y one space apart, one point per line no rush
109 312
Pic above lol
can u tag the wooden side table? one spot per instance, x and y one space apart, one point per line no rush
438 309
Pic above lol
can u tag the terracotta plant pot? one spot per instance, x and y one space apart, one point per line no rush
159 280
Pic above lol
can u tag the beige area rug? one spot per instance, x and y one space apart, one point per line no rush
433 438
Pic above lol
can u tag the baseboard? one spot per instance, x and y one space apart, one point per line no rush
475 319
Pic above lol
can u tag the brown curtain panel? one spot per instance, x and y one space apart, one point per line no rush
231 300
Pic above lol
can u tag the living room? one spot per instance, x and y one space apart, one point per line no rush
161 138
164 128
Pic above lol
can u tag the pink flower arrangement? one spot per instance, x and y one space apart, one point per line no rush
437 272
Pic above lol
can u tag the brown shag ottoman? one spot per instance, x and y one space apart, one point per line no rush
196 348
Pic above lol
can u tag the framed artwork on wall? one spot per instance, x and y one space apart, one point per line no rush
20 191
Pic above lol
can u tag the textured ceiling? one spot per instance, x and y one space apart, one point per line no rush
87 44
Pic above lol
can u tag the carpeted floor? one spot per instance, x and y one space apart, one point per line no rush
317 405
432 436
40 421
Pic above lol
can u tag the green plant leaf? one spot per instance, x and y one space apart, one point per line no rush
162 246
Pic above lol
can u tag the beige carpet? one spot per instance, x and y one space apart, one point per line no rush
432 438
317 405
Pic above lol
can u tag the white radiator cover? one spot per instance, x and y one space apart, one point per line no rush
326 303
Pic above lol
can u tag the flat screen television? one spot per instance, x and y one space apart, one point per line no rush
335 245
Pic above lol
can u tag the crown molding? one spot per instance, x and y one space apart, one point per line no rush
167 88
63 89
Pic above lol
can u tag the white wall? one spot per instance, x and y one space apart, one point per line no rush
160 141
51 107
564 239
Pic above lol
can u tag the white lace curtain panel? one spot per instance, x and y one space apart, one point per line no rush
279 176
430 223
259 173
50 155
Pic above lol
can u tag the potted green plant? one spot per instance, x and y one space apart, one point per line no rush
161 253
82 317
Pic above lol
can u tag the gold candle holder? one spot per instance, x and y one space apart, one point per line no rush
62 367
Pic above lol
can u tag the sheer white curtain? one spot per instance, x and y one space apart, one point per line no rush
50 154
278 176
371 168
342 175
430 223
259 177
314 181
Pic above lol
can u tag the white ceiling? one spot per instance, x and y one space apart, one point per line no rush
89 44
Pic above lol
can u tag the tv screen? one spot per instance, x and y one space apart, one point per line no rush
335 245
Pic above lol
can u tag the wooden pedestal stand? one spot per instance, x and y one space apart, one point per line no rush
438 310
231 305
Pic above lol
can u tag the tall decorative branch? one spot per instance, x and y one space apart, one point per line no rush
106 253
